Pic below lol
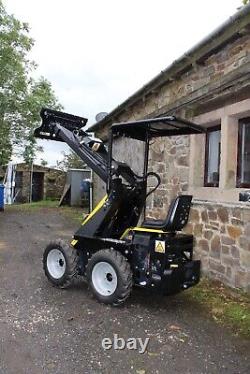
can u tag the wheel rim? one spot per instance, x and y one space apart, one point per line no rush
56 263
104 278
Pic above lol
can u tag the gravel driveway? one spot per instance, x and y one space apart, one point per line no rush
47 330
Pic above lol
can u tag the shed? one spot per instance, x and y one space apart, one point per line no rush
25 183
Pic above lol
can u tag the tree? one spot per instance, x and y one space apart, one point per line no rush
71 161
245 2
43 162
21 96
39 94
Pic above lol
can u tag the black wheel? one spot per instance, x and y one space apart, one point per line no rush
109 276
60 263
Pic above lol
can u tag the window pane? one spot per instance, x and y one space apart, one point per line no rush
213 158
244 159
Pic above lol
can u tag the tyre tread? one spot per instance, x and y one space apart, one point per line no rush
71 260
125 273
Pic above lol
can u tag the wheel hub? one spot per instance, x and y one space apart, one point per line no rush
109 277
61 262
104 278
56 263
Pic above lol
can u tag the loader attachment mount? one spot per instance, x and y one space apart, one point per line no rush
50 118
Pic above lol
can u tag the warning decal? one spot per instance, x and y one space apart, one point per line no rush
159 246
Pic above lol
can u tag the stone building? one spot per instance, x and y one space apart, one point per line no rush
210 85
47 183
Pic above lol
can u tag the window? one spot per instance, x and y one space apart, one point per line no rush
212 157
243 172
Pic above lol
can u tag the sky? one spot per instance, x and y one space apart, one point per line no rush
96 53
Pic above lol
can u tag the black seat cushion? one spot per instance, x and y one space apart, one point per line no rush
154 223
177 216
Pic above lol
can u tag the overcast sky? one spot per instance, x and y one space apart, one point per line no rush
96 53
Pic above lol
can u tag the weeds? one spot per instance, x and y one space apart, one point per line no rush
225 305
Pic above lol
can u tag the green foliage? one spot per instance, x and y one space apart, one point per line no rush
226 306
70 161
39 94
71 213
245 2
44 162
21 96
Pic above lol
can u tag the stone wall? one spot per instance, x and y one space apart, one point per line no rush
24 194
169 158
222 235
99 189
190 91
124 150
54 181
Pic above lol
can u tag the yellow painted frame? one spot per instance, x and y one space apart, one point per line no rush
142 229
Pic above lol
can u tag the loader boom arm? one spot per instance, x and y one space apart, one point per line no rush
83 148
67 128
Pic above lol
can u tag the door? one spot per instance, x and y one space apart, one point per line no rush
18 198
37 186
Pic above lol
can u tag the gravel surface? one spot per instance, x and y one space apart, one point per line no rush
48 330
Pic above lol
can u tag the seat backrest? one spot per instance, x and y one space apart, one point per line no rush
178 213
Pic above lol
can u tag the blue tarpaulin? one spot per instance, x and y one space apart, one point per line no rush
1 197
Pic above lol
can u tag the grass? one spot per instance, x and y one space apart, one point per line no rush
34 205
225 305
74 213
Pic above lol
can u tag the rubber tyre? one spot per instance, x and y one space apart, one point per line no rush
123 273
71 260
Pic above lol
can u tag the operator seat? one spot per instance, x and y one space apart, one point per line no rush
177 216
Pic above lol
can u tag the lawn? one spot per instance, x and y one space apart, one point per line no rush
75 213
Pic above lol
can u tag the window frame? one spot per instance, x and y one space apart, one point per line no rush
206 183
242 122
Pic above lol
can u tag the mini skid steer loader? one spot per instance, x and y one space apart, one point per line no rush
109 249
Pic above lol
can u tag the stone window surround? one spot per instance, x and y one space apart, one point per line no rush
243 122
227 191
208 183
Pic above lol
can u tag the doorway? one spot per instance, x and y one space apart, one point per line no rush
37 186
18 198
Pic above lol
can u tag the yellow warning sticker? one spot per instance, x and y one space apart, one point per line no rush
173 266
159 246
73 243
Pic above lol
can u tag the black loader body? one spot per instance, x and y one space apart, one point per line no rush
109 247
